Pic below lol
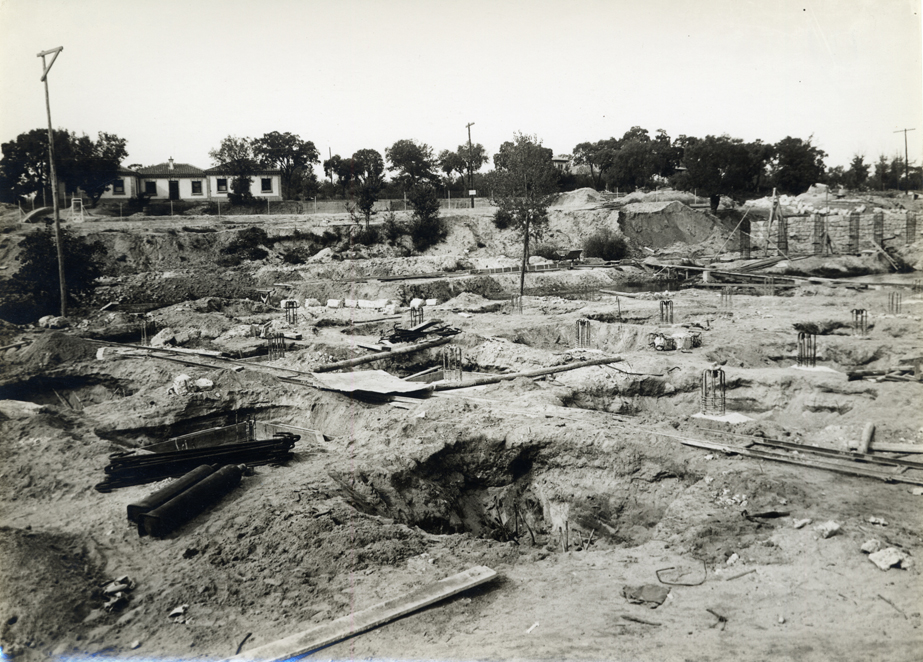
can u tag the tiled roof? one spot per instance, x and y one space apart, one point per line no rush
126 171
178 170
220 170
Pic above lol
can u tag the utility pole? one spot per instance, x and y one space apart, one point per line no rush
54 178
906 163
470 156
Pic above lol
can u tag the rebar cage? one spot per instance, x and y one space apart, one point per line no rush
807 350
714 387
666 311
583 333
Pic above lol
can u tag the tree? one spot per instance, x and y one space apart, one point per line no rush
797 165
80 162
721 165
92 166
236 157
523 187
367 170
34 290
293 157
426 227
857 174
413 161
451 162
342 169
882 171
598 156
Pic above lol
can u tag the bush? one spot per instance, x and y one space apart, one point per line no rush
296 256
34 290
426 228
366 236
547 251
247 244
605 244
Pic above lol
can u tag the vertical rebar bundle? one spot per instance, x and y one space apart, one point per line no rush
583 332
516 304
819 233
146 327
714 400
853 245
782 240
666 311
910 230
416 316
878 228
745 239
894 303
769 286
807 350
618 308
291 310
860 322
452 363
276 343
727 297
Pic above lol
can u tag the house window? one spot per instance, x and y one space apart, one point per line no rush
222 185
266 185
150 188
118 187
197 188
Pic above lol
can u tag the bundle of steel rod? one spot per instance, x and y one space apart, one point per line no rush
133 468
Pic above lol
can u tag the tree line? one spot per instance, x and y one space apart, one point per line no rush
712 166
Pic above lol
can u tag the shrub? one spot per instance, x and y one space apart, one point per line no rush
366 236
426 228
605 244
296 256
547 251
247 244
34 290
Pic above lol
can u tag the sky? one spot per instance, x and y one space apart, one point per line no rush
175 77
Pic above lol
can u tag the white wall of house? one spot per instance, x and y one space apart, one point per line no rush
129 188
187 187
272 189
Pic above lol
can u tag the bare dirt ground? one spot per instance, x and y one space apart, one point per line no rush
571 487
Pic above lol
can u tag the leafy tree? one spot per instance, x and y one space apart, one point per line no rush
236 156
426 228
717 165
367 170
451 162
34 290
413 161
92 166
524 184
342 169
797 165
882 172
858 173
598 156
79 161
293 157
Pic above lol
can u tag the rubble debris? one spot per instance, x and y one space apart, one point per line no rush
827 529
878 520
117 593
650 595
888 558
871 546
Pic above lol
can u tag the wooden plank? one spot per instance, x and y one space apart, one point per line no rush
353 624
884 447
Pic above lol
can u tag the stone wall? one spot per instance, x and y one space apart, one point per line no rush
805 232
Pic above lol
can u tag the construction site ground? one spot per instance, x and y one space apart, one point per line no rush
571 486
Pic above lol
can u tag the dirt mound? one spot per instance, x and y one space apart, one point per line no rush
53 605
662 224
53 349
582 197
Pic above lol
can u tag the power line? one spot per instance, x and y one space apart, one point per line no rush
906 163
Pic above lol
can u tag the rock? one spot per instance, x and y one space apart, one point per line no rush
732 559
917 491
312 303
16 409
827 529
878 520
390 309
181 385
163 338
204 384
323 255
52 322
888 558
871 546
801 523
135 644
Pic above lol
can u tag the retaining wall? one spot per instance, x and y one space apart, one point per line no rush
848 234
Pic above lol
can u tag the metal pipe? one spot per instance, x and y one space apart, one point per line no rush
191 502
161 496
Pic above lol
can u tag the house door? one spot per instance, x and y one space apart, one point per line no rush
174 190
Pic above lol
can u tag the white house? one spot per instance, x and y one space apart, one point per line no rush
265 184
123 187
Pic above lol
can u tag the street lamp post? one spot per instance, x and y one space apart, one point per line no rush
54 178
470 155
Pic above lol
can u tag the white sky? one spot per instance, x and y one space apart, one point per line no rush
175 77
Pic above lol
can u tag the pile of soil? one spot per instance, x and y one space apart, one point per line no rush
582 197
662 224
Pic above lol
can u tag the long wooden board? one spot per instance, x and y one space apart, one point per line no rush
353 624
